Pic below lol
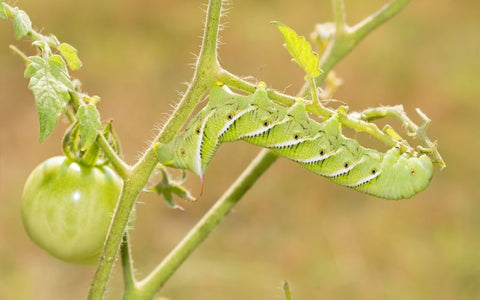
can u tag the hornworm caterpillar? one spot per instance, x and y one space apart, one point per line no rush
319 147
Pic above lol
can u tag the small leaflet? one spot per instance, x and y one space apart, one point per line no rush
300 50
3 11
50 84
90 124
21 23
71 57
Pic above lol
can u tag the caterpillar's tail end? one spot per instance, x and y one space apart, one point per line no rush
202 181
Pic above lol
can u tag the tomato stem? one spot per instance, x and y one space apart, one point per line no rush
128 276
205 74
209 221
207 71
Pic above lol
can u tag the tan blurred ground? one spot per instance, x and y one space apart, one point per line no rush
327 241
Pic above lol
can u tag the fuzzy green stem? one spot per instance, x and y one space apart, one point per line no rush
19 53
287 291
149 286
241 84
313 90
128 276
413 129
70 115
118 164
340 17
389 10
346 38
204 76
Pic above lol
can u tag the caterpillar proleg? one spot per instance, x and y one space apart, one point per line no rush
318 146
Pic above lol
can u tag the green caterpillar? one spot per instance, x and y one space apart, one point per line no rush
319 147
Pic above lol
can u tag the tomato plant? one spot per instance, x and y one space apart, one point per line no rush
67 208
68 202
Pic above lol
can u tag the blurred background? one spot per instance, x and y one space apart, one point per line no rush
328 241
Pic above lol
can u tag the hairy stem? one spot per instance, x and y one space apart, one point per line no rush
118 164
389 10
413 129
340 17
20 54
241 84
346 38
149 286
204 76
128 276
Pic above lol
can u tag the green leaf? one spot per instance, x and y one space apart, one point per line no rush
70 54
21 23
3 11
50 84
300 50
89 121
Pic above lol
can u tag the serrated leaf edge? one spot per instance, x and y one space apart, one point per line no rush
300 50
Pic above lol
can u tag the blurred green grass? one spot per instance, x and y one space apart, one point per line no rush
327 241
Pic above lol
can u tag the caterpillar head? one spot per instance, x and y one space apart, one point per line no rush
401 177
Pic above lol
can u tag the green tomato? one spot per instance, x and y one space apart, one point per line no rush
67 208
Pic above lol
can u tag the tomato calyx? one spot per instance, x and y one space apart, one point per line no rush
91 156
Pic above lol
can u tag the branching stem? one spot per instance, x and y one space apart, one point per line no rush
203 78
206 73
149 286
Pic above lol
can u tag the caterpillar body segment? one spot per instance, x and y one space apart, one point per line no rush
290 132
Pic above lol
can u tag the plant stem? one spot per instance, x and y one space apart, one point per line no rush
205 74
315 99
155 280
128 276
346 38
149 286
20 53
367 25
241 84
287 291
118 164
412 129
340 17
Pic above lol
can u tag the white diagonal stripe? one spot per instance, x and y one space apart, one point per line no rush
317 158
230 122
198 153
365 180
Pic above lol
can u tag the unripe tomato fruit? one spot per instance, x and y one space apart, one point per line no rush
67 208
